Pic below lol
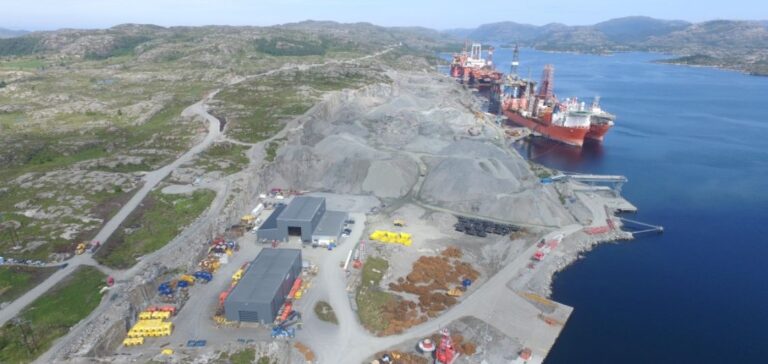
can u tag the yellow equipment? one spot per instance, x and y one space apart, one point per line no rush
390 237
399 222
133 341
536 298
162 315
167 352
145 315
80 249
150 328
239 274
187 278
248 220
455 292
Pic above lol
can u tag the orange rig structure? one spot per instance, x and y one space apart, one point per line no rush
473 69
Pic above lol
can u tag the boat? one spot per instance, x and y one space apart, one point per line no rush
600 121
569 121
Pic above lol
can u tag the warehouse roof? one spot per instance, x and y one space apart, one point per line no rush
271 221
331 224
265 275
302 208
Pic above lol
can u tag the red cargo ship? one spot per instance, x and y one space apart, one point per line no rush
567 122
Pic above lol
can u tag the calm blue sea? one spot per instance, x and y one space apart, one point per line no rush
694 144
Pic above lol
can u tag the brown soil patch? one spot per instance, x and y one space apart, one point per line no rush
309 355
430 279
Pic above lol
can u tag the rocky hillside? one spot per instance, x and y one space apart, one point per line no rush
85 113
740 45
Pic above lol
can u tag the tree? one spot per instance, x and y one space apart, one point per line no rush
3 84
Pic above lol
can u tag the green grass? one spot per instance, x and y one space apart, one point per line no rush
51 316
324 312
245 356
370 298
22 64
17 280
226 157
159 219
271 150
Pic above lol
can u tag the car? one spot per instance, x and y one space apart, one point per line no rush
349 221
348 231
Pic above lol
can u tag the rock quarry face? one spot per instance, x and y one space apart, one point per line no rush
410 140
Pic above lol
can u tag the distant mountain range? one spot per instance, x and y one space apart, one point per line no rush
739 45
7 33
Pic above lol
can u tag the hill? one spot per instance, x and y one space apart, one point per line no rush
83 112
638 28
8 33
739 45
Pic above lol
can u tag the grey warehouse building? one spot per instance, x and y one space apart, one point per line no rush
304 216
264 286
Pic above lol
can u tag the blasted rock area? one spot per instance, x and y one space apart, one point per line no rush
410 140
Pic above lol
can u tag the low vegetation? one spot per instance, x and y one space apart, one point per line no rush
271 150
82 113
370 299
17 280
51 316
225 157
324 312
245 356
256 110
155 223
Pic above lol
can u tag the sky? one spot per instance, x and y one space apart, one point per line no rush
437 14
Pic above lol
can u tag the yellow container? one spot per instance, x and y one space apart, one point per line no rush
164 315
390 237
133 341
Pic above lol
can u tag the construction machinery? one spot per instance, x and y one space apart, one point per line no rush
248 220
165 289
283 328
80 249
398 222
455 292
190 279
203 276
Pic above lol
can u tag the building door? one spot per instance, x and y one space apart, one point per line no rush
248 316
294 231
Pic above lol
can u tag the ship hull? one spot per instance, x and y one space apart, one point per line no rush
597 131
570 136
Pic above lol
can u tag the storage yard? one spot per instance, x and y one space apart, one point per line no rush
402 228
